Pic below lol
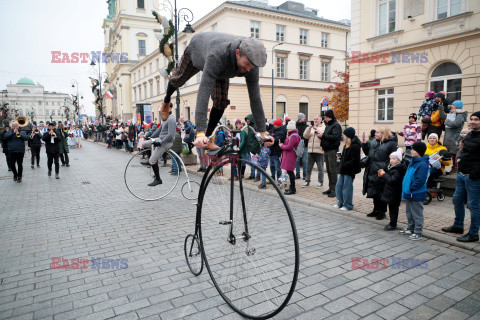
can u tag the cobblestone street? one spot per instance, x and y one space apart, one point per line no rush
89 213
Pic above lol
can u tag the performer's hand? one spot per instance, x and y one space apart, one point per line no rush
266 136
201 142
157 143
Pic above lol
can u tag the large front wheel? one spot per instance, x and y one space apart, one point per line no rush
248 239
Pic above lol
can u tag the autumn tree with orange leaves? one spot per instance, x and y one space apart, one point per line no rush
339 100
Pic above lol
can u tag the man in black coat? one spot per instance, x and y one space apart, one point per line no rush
279 134
331 139
16 150
5 143
301 125
468 183
35 143
52 147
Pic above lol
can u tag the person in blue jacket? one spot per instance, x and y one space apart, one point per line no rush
414 190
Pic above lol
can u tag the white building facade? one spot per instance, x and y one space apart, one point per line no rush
31 100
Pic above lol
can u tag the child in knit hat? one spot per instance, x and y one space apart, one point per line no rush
392 192
414 190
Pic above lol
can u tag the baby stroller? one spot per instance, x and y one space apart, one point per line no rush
436 189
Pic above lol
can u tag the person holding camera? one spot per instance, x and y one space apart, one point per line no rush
35 143
315 150
52 139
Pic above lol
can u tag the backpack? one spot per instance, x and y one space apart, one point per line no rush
300 148
263 157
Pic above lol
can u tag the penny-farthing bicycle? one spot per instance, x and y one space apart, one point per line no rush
245 236
138 171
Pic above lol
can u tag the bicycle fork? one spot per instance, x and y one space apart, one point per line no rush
231 238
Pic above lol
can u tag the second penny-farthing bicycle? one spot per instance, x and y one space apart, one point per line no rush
245 236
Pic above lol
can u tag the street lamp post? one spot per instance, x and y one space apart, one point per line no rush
100 76
278 44
75 85
187 17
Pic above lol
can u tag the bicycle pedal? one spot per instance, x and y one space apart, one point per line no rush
225 222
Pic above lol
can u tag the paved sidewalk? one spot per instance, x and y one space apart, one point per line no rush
89 213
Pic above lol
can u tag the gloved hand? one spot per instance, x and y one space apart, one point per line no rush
157 143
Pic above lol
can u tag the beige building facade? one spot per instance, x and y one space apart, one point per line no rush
400 49
303 65
129 30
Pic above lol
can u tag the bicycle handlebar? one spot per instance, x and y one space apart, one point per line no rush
257 135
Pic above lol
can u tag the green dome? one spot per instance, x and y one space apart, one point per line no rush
26 81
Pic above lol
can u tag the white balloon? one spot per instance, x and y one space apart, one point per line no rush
165 23
163 72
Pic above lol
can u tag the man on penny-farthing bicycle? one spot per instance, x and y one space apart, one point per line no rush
220 56
162 139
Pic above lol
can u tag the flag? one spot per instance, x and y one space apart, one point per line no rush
285 117
108 94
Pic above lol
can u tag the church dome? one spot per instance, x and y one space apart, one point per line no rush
26 81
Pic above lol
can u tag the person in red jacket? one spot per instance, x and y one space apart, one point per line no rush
289 158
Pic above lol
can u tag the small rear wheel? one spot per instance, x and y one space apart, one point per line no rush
440 196
190 191
193 254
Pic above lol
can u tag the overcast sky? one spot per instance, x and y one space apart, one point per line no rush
30 30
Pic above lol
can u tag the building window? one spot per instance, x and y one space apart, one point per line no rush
280 33
144 72
53 112
141 47
144 91
215 28
255 29
325 71
448 8
140 93
140 4
280 111
303 36
386 16
447 77
303 69
280 67
158 87
151 89
150 67
303 108
324 42
385 105
187 112
134 94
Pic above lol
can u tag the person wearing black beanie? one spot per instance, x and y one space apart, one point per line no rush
420 148
468 184
349 167
414 190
